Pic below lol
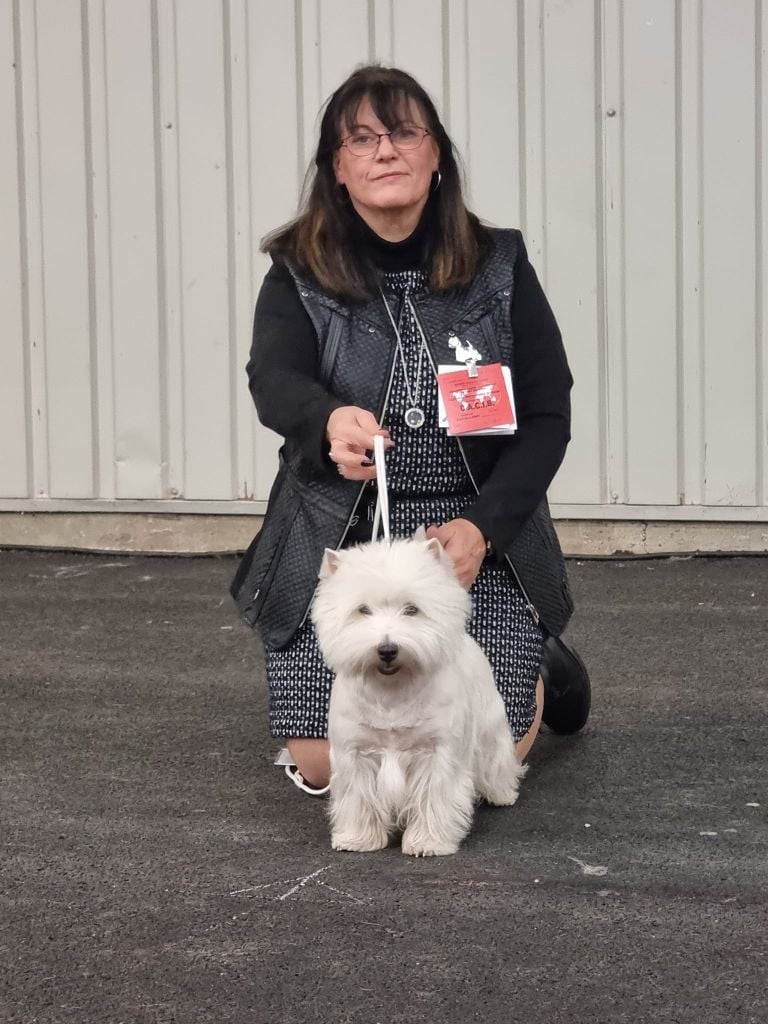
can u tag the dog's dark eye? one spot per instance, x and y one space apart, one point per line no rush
364 609
410 609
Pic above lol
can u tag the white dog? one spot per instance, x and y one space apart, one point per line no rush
417 728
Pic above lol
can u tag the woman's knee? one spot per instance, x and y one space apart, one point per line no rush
312 759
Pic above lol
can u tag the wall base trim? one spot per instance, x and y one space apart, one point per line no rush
174 534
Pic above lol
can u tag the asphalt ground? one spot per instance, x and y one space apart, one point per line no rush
157 868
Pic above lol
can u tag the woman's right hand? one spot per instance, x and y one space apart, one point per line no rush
350 432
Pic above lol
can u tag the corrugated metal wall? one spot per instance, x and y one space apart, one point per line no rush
151 143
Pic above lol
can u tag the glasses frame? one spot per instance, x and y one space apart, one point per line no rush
380 135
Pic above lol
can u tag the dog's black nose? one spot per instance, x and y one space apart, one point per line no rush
387 651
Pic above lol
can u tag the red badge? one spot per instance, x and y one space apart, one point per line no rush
477 404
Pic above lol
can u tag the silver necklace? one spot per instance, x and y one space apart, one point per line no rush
414 414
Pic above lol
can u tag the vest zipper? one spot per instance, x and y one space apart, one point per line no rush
530 606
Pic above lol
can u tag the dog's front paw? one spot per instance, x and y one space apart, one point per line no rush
503 796
426 846
359 842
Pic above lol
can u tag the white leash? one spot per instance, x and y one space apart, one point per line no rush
381 515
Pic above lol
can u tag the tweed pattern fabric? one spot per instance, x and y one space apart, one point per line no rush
428 483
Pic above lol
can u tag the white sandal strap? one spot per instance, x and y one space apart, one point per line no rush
297 778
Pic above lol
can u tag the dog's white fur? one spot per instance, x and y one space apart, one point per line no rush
414 742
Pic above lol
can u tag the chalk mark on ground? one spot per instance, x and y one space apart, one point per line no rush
297 886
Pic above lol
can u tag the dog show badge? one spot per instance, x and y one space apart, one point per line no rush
479 403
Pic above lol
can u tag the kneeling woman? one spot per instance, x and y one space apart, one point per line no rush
383 274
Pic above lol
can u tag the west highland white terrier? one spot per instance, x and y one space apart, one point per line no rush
417 728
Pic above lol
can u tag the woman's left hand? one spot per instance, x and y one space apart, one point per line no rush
466 545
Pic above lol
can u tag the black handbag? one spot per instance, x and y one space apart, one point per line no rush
567 689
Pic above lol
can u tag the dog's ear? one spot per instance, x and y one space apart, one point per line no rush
435 548
420 533
329 564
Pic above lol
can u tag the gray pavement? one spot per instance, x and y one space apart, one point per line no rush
156 868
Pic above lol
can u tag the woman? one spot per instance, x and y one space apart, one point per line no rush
372 287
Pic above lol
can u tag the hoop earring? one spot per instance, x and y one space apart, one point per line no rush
437 183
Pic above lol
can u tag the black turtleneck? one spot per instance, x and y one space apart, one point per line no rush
283 368
411 253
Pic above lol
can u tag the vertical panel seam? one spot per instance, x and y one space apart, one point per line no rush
759 263
467 84
162 281
318 36
445 54
40 423
690 298
600 255
679 356
226 26
23 250
702 424
91 248
542 129
611 217
110 264
622 227
249 195
299 41
522 129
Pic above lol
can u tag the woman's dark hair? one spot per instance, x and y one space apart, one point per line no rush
320 238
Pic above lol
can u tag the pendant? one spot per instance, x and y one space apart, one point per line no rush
414 417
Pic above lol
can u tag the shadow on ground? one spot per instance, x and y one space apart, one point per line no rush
156 868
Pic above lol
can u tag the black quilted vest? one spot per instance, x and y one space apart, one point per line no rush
308 512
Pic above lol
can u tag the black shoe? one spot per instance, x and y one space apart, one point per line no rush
567 693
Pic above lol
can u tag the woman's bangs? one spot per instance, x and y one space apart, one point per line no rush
392 105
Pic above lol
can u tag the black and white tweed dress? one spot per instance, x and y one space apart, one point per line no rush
428 483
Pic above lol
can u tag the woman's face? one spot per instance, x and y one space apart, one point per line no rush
388 183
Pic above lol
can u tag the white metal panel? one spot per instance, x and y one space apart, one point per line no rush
276 173
14 433
486 108
102 313
241 269
171 328
310 97
690 323
383 31
729 166
611 225
32 251
761 222
204 217
343 41
646 296
418 43
134 297
568 172
456 115
532 155
69 394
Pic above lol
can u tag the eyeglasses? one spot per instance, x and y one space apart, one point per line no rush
404 137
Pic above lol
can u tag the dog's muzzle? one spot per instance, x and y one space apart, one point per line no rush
387 652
